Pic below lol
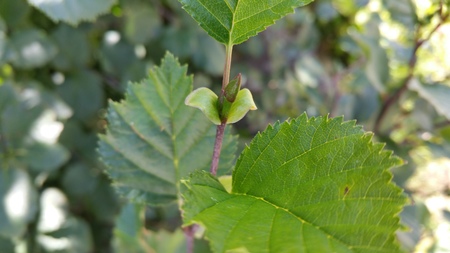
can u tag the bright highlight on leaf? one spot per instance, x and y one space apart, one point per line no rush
308 185
153 139
73 11
232 22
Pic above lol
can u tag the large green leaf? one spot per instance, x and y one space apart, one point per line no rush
234 21
308 185
153 139
72 11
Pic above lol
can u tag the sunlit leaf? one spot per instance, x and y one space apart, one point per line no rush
234 21
73 11
308 185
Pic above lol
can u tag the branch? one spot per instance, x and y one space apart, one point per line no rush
412 64
221 128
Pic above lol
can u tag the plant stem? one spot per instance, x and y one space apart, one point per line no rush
189 234
221 128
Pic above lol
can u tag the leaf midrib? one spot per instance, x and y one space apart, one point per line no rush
272 204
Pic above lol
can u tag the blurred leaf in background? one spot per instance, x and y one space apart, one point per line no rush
383 63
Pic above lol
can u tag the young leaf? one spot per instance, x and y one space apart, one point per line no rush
243 103
205 100
72 11
309 185
154 139
232 22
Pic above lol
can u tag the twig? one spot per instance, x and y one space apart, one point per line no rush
412 64
221 128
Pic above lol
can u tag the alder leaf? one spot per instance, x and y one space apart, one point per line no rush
232 22
72 11
153 139
308 185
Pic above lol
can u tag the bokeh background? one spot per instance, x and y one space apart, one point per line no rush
384 63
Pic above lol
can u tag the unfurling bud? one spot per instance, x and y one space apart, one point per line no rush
232 88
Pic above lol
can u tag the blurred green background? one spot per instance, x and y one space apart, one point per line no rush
385 63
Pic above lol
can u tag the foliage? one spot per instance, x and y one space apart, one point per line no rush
382 63
154 140
307 185
233 22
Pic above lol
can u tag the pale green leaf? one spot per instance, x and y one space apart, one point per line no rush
436 94
30 49
19 203
308 185
153 139
234 21
205 100
243 103
72 11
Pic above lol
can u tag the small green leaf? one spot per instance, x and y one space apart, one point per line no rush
153 139
308 185
72 11
232 22
239 108
30 49
205 100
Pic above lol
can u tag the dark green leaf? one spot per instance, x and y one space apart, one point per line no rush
73 48
83 92
436 94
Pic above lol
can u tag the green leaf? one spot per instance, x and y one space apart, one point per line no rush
72 11
73 48
308 185
239 108
42 157
142 22
436 94
83 92
30 49
14 12
232 22
377 63
205 100
153 139
19 201
128 235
